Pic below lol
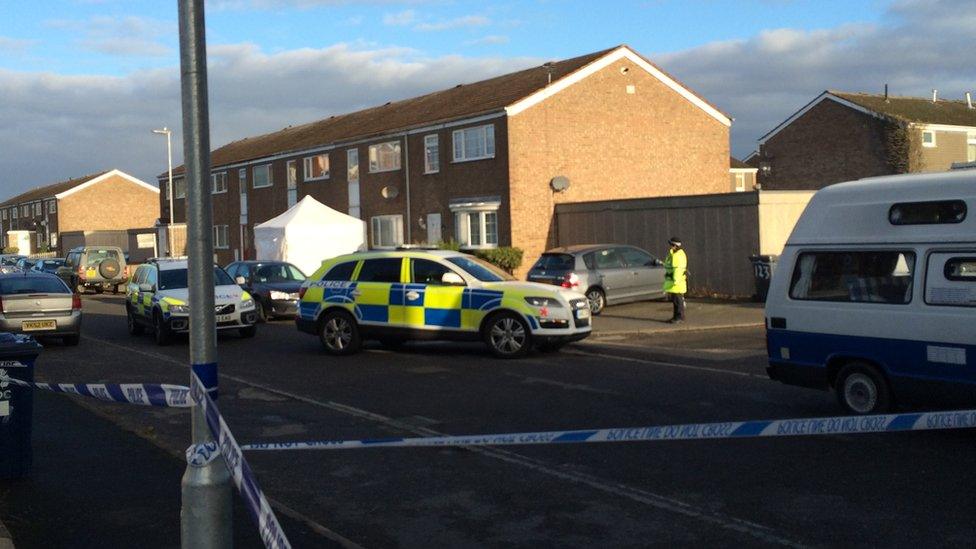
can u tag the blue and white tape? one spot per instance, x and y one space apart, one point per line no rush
963 419
257 505
146 394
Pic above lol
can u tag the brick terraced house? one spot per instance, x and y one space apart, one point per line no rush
482 163
111 200
841 136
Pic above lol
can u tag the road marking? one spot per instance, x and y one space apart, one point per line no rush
645 497
665 364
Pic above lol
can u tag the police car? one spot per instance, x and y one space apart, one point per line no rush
400 295
157 295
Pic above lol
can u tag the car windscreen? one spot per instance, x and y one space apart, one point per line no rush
277 272
555 262
32 285
175 279
482 270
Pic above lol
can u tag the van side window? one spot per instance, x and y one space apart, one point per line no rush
951 279
869 276
341 272
927 213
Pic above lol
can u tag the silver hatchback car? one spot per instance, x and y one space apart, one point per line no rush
39 304
607 273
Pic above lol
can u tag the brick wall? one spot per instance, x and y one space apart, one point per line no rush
114 203
828 144
611 144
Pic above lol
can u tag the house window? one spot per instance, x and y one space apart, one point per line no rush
242 177
476 229
317 167
25 210
928 138
52 207
971 148
3 215
387 231
291 175
220 237
13 213
179 188
432 161
740 182
384 157
474 143
218 183
37 209
352 165
262 176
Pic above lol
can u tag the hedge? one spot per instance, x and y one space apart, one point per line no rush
505 257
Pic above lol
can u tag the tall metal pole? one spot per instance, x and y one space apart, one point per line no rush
206 512
169 169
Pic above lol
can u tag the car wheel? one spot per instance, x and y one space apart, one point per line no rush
132 324
71 340
161 331
262 313
508 336
862 389
339 333
249 331
597 300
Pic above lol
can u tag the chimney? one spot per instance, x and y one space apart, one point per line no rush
969 100
886 92
548 66
935 95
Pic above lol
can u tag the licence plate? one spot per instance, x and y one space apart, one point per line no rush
582 314
34 325
225 318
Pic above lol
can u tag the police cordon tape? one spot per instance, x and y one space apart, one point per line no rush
885 423
145 394
257 505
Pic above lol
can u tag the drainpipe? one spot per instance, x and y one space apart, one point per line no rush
406 168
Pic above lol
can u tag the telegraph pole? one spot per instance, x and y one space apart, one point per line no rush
206 512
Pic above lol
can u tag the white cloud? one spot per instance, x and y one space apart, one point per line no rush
121 36
15 45
456 23
400 19
491 39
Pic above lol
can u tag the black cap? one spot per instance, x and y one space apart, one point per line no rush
674 241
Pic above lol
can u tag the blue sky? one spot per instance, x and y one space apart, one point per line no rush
83 81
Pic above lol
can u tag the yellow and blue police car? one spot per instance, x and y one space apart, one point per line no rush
437 294
157 295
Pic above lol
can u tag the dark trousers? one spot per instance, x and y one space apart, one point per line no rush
678 300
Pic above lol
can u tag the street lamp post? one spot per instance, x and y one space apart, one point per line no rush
169 164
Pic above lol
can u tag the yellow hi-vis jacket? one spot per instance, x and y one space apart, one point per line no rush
675 270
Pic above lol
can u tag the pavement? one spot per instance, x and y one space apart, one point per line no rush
651 317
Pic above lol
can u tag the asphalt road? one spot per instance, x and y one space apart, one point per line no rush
896 490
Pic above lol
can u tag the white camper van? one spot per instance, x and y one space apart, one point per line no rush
874 295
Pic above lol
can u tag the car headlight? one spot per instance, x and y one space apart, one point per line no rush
247 303
282 295
179 309
544 302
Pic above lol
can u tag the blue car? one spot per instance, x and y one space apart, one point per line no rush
48 265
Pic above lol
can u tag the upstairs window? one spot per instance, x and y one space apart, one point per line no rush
218 183
317 167
37 209
3 215
474 143
432 160
52 207
25 210
262 176
928 138
179 188
384 157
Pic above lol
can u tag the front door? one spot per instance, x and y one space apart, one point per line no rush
352 176
433 228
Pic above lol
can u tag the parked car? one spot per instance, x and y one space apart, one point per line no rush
95 267
607 273
25 263
39 304
274 285
49 265
401 295
10 260
157 298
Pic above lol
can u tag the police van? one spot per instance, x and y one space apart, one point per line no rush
874 295
157 298
400 295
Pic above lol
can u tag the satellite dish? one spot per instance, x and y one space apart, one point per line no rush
559 183
390 192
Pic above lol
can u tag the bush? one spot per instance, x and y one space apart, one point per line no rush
507 257
11 250
449 245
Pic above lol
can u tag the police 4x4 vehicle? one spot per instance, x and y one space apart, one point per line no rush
156 298
395 296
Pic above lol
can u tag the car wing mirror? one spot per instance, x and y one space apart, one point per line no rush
656 263
452 279
146 287
240 281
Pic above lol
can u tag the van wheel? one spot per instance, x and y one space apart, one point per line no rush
507 335
339 333
862 389
161 331
597 300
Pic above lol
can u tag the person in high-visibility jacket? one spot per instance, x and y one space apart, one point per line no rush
676 278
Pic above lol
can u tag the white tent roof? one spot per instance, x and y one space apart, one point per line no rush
308 211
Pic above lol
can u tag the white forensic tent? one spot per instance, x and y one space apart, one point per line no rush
308 233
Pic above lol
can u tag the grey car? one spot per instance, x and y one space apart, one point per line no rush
607 273
39 304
